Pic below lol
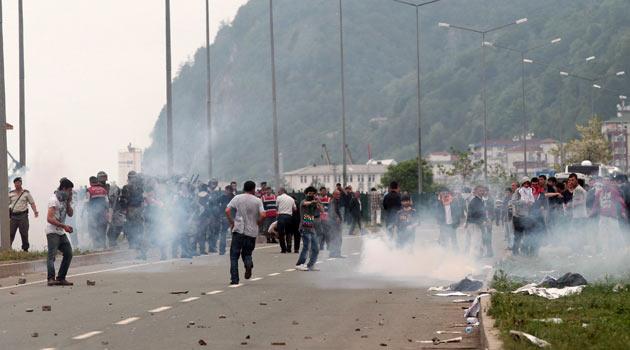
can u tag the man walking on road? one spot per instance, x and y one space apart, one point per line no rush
59 206
19 200
391 205
244 223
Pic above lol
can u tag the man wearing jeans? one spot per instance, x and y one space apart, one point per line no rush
286 207
310 246
244 223
59 206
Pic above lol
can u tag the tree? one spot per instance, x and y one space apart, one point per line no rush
406 174
463 165
591 144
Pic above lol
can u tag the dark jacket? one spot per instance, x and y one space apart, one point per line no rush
476 211
391 204
354 207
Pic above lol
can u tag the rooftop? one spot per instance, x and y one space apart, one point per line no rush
337 169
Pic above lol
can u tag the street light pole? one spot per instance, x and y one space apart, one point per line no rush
483 80
524 106
209 92
169 92
418 98
5 239
276 156
21 88
344 168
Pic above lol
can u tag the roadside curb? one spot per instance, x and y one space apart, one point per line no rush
18 268
490 339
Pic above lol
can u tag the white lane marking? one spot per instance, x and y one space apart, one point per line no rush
214 292
127 267
331 259
319 262
86 335
160 309
127 321
49 349
289 270
236 285
273 274
256 279
187 300
356 253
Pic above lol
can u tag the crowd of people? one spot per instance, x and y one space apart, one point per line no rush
194 218
538 211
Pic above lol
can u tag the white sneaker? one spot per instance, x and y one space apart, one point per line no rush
301 267
313 269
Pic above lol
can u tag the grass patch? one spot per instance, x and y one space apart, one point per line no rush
19 255
605 314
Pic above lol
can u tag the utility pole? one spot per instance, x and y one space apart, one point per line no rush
209 92
276 156
344 169
5 239
169 93
22 103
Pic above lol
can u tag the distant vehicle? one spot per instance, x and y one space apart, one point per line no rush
582 179
589 169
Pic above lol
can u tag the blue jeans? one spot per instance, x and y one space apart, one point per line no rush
217 232
58 243
242 246
310 245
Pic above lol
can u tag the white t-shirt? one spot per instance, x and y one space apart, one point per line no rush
579 203
447 214
60 215
248 209
286 204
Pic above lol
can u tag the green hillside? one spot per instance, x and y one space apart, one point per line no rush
380 80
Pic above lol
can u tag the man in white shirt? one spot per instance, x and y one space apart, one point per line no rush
59 206
286 207
244 222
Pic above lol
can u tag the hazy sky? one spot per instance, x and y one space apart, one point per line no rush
95 81
95 75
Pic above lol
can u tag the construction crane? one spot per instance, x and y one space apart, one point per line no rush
325 154
350 161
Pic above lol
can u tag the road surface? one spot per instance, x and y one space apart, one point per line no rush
132 307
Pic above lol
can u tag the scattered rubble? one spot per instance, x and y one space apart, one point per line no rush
202 342
46 308
191 323
222 316
555 320
29 310
139 292
21 280
295 323
243 343
532 339
448 332
262 304
35 335
104 342
308 337
279 343
177 292
91 283
437 341
364 336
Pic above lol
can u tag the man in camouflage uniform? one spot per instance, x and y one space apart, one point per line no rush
116 214
216 217
132 202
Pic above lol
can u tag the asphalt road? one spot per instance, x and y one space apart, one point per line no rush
132 307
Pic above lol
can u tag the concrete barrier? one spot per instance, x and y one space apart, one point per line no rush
18 268
490 336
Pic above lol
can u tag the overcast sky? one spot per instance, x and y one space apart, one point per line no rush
95 80
95 75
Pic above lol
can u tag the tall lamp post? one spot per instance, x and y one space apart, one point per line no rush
209 91
483 79
5 240
276 155
419 120
169 92
21 88
344 157
523 53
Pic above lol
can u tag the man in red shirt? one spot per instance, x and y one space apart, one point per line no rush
271 212
98 207
323 229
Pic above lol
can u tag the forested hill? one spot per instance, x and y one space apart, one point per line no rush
380 67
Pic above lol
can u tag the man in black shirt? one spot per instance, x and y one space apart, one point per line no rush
391 205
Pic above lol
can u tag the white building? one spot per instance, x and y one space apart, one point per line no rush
362 177
128 160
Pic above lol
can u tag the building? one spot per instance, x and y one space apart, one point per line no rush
440 163
362 177
616 132
541 154
128 160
